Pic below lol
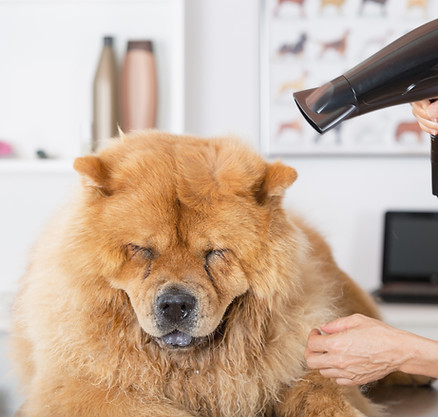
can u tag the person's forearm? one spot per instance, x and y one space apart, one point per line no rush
422 359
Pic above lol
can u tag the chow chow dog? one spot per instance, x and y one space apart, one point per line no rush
174 283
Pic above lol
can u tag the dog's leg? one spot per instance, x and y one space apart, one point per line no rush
316 396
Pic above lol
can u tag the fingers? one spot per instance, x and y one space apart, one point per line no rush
427 108
426 125
347 382
426 115
316 360
315 332
315 350
316 353
336 373
342 324
432 110
316 342
342 376
423 104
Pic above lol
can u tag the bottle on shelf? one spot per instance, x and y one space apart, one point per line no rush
105 102
139 87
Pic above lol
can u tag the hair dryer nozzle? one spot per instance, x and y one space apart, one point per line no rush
404 71
326 106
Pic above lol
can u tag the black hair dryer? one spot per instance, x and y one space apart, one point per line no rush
404 71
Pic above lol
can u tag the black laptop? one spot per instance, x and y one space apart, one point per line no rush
410 257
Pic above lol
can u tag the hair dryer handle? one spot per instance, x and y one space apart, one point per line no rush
434 163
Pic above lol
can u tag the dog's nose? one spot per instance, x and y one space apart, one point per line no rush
175 305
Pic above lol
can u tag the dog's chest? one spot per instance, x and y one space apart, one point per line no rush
218 394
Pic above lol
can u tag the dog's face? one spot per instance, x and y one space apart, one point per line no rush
181 275
184 220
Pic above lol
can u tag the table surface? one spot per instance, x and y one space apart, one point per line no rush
408 401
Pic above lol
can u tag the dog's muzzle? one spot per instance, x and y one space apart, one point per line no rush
175 312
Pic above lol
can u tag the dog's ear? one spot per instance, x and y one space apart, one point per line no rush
94 173
277 178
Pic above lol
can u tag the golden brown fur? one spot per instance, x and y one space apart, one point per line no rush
154 212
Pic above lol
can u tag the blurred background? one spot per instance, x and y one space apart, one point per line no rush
208 56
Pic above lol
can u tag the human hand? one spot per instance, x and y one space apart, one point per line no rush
426 114
355 350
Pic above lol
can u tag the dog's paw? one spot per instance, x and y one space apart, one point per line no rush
316 396
330 409
321 402
400 378
352 404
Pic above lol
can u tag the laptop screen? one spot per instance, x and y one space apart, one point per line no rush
410 247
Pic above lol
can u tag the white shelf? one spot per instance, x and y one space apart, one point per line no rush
36 166
47 104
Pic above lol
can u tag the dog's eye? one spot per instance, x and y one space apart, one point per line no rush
211 254
135 250
210 257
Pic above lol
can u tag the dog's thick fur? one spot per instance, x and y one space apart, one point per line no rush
156 214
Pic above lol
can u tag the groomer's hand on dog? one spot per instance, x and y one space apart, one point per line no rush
356 350
426 114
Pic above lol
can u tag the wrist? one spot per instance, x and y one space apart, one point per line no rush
406 351
419 355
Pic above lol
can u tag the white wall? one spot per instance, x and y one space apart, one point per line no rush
345 198
222 67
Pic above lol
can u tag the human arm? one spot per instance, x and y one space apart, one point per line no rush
426 113
356 350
